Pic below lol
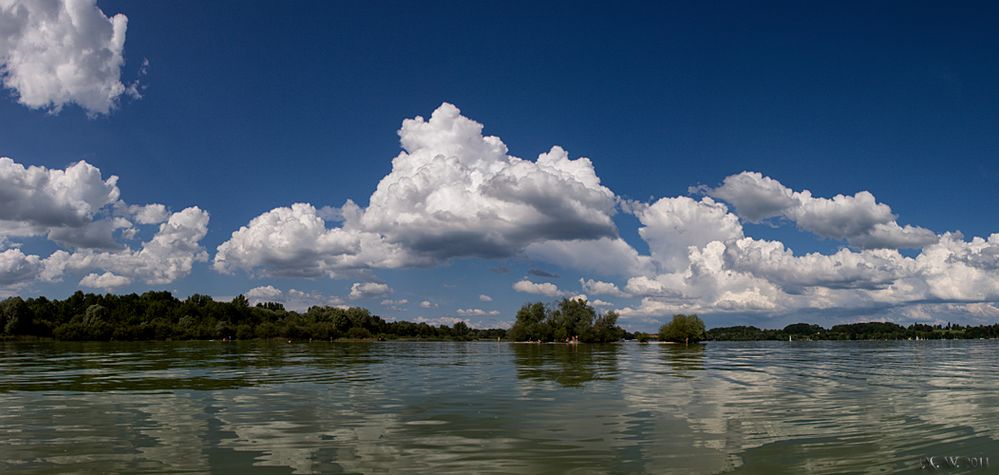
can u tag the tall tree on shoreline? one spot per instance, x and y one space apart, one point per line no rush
685 328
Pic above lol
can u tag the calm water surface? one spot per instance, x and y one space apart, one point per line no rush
483 407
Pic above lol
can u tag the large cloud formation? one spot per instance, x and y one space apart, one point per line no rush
58 52
452 192
704 262
168 256
80 210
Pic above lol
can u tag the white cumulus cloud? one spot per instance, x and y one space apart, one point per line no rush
16 268
547 289
294 241
58 52
80 210
106 281
452 192
743 274
37 200
265 293
362 290
672 225
168 256
476 312
602 288
149 214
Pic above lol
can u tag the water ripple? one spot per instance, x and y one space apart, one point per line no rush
405 407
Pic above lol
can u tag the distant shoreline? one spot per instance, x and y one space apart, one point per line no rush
159 316
855 331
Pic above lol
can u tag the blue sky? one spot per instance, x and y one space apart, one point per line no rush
247 110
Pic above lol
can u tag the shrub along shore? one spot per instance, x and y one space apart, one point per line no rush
161 316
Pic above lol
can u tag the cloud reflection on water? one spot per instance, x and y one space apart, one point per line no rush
453 407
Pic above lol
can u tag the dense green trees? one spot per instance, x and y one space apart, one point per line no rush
804 330
532 324
855 331
743 333
160 316
569 319
685 328
15 316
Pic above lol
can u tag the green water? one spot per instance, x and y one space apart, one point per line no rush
486 407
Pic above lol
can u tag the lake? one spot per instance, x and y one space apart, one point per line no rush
489 407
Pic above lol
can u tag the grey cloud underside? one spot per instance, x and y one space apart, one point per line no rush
462 243
304 264
858 219
542 273
754 197
94 235
509 243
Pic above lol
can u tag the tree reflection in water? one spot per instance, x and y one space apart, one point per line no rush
684 358
567 365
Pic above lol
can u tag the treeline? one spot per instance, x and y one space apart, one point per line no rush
567 321
855 331
161 316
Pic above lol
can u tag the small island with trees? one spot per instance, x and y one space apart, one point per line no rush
161 316
570 321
